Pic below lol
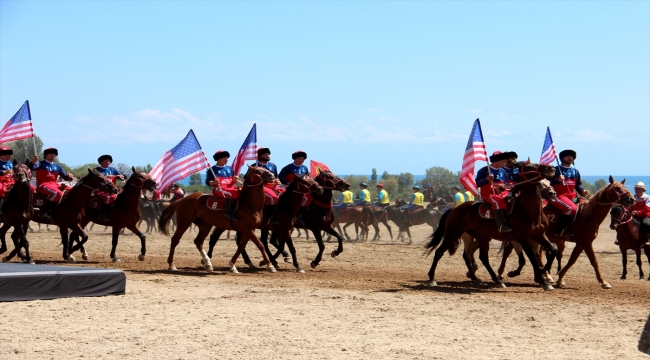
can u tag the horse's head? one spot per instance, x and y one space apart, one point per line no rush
329 181
22 172
97 181
617 216
141 180
531 172
311 185
547 190
257 175
616 192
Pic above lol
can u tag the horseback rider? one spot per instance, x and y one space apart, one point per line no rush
346 199
271 190
468 196
512 172
6 173
224 183
289 172
567 185
363 198
416 202
177 193
490 180
641 211
46 174
382 199
459 198
112 174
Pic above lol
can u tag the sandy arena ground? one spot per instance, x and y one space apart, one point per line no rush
369 303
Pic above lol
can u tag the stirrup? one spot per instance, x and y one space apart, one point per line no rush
272 221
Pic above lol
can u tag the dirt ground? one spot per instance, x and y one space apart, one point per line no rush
368 303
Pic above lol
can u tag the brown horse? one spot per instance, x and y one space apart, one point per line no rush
588 218
66 212
381 214
429 215
124 213
319 216
527 221
627 235
193 208
17 212
360 216
285 212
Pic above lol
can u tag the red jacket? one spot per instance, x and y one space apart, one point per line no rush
642 210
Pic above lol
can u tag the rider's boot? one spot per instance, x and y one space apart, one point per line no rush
563 222
500 217
231 206
45 210
2 200
643 235
103 213
270 209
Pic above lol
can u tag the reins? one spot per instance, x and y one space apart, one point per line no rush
621 221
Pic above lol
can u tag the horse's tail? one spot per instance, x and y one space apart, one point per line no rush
166 217
503 247
371 214
437 235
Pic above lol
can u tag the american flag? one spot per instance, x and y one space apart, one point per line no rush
19 126
182 160
548 151
474 151
248 150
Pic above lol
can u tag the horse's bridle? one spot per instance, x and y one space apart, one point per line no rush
618 196
621 221
103 185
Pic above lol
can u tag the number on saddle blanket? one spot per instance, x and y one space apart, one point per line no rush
95 202
486 211
215 203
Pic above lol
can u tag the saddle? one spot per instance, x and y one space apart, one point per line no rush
549 209
413 211
38 200
345 209
215 203
486 211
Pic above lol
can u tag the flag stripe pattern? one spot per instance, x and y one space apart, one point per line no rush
19 126
248 150
182 160
474 152
548 151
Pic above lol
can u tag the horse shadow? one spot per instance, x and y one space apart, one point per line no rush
455 287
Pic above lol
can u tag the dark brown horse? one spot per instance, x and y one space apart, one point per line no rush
627 235
585 227
360 216
285 212
319 216
381 214
527 221
429 215
17 212
124 213
193 209
65 213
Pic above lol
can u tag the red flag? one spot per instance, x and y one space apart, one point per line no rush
316 168
474 151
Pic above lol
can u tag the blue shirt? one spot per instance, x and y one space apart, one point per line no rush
109 171
6 165
270 167
289 172
222 172
571 180
481 176
511 174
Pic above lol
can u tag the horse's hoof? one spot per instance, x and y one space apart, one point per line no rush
85 257
287 259
432 283
313 265
561 284
623 277
208 267
270 269
233 268
512 274
71 259
116 260
300 271
503 286
500 276
141 257
5 259
30 262
172 268
252 266
476 280
548 287
549 279
606 285
335 254
204 261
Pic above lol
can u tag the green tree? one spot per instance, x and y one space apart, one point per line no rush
24 149
146 168
124 169
391 187
405 182
373 178
195 179
386 176
600 183
442 178
589 186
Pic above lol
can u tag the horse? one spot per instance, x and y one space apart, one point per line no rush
381 216
193 209
428 215
526 219
319 215
17 212
124 213
585 226
288 206
627 235
148 214
357 215
65 213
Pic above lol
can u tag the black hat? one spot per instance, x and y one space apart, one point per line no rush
299 153
456 187
363 184
6 150
220 154
262 151
50 151
564 153
104 157
498 156
510 154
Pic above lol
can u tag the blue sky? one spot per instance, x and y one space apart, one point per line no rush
390 85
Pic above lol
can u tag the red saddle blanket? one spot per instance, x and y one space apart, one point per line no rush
38 200
413 211
486 211
215 203
95 202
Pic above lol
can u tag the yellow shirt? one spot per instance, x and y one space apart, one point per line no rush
458 198
418 199
364 195
348 197
468 196
384 199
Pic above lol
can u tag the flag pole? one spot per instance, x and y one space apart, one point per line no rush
489 172
548 128
29 112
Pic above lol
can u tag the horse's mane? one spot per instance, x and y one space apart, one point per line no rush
586 209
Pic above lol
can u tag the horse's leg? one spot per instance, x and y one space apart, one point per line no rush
214 237
245 236
63 231
274 241
3 233
589 250
244 254
203 232
532 257
176 238
287 239
560 250
115 236
23 243
624 258
408 231
264 239
552 253
484 248
505 253
646 251
345 232
572 259
143 240
339 249
440 251
638 263
390 231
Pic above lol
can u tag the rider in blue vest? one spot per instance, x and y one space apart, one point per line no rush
289 172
